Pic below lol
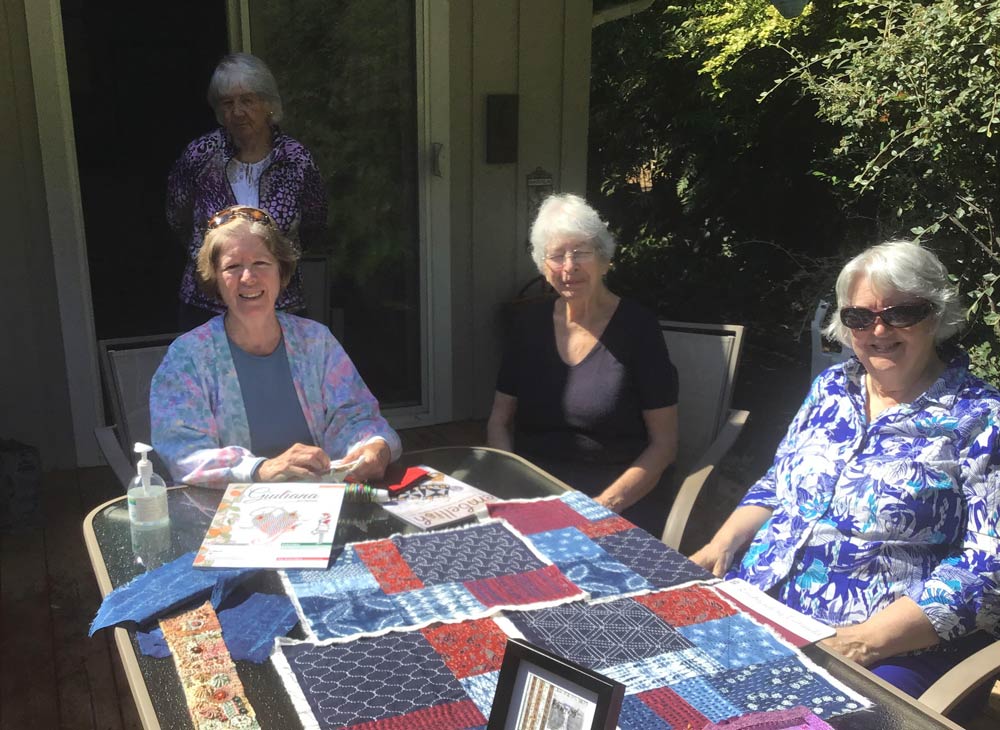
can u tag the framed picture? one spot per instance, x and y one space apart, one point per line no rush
538 690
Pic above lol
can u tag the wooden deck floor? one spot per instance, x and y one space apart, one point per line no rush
52 675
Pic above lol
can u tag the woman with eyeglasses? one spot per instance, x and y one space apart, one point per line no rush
249 161
255 394
879 515
586 389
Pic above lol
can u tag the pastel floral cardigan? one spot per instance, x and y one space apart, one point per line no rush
907 505
199 422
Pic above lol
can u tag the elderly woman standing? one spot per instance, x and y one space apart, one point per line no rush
247 161
586 389
880 515
255 394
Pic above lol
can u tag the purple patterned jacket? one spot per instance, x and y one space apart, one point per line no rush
291 191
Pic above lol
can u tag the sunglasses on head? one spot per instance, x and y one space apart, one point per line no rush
903 315
254 215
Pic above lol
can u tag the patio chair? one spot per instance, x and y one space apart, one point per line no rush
127 367
706 357
962 679
824 353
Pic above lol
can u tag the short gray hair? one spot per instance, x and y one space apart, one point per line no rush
905 267
244 71
569 216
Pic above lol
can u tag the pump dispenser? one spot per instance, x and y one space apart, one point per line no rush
147 494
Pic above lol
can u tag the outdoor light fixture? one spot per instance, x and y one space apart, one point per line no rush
790 8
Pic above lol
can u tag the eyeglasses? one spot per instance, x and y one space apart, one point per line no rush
903 315
577 256
254 215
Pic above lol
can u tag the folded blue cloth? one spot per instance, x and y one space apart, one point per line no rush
249 628
152 643
158 592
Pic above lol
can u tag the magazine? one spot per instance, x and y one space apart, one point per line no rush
438 500
274 525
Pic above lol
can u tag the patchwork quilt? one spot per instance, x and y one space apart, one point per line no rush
687 657
539 553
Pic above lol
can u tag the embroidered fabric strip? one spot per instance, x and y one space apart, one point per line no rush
156 593
676 676
212 688
409 581
798 718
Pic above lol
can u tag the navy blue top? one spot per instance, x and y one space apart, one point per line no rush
273 409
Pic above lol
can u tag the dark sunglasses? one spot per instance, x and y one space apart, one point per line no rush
254 215
903 315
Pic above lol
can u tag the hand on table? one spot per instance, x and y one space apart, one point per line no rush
715 558
854 643
299 461
373 459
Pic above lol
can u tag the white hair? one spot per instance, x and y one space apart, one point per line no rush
905 267
244 71
568 216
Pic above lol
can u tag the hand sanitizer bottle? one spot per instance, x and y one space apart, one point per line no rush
147 494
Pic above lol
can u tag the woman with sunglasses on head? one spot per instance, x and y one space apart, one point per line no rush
255 394
879 515
248 160
586 389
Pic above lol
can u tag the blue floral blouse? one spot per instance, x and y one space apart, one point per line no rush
199 422
866 513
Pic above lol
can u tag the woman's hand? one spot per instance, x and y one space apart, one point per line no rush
900 627
299 461
374 458
855 643
714 558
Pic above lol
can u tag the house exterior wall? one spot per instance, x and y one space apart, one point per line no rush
34 392
541 52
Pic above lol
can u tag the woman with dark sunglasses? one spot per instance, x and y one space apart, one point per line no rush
255 394
248 161
880 513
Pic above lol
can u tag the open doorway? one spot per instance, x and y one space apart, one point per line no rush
137 73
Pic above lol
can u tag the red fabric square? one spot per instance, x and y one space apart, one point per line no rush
532 517
468 648
607 526
449 716
390 570
686 606
673 708
535 586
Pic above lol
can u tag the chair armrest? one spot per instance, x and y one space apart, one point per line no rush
111 449
691 487
960 680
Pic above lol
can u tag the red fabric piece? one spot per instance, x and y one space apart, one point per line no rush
468 648
686 606
673 708
536 586
387 565
531 517
607 526
450 716
411 477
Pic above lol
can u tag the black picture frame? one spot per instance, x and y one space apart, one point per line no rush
534 684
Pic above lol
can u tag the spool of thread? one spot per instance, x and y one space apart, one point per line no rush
366 493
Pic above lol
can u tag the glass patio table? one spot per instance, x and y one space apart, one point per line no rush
117 557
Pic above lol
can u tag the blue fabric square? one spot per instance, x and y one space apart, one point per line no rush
479 551
348 574
423 605
249 629
153 643
703 697
156 593
650 558
781 685
636 715
586 506
351 613
567 545
603 577
736 641
599 634
658 671
481 688
372 678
